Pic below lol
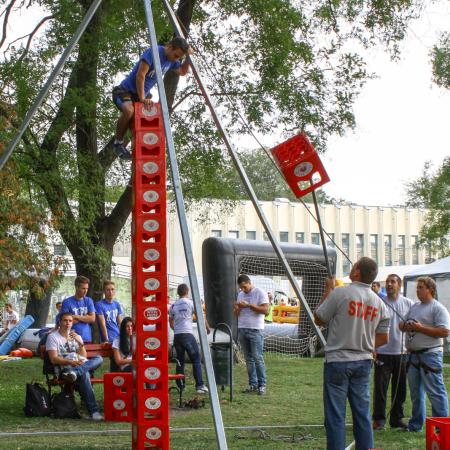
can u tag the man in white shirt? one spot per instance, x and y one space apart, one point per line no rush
390 361
180 320
10 318
251 306
67 353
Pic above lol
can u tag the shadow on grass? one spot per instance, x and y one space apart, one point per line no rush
294 398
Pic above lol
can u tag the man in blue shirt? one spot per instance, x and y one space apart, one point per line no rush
82 309
137 85
109 313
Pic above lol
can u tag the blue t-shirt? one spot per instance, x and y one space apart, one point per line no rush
81 308
109 311
129 83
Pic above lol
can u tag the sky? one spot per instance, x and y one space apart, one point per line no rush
402 119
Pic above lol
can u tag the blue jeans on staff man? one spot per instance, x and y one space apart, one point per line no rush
342 380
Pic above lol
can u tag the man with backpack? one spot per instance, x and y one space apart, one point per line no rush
67 353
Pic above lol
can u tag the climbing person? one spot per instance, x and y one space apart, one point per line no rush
137 85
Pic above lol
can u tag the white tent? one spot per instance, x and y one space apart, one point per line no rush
439 271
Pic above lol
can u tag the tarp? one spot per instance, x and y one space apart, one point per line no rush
439 271
438 268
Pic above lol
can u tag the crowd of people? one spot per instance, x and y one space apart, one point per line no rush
402 337
65 343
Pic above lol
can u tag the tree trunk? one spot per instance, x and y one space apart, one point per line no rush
97 273
38 308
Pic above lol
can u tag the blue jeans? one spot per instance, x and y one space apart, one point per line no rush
185 342
252 345
431 383
84 382
350 380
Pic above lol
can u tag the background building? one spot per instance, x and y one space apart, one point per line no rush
389 235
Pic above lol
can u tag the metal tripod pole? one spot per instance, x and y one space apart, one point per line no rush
322 234
43 92
215 405
245 180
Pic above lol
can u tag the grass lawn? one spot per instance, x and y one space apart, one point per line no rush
294 397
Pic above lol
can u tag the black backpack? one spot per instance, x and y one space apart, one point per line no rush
64 407
37 401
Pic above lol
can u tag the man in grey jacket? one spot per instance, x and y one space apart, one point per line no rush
358 322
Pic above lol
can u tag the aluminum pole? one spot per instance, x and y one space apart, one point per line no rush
43 92
322 235
245 180
215 405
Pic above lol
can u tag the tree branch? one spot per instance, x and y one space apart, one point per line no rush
50 178
106 155
30 36
7 12
119 215
214 94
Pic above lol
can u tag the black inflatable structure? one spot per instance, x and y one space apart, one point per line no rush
224 259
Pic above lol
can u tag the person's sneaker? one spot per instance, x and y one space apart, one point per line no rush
121 151
250 389
378 426
69 376
400 424
261 390
202 389
96 416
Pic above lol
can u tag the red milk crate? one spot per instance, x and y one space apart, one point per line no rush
300 165
438 433
118 396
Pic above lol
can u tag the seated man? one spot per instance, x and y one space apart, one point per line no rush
67 353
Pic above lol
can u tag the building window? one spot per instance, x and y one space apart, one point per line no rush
250 235
428 257
345 238
374 247
359 246
315 238
233 234
265 236
401 249
330 240
415 249
216 233
387 250
59 250
284 236
300 237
